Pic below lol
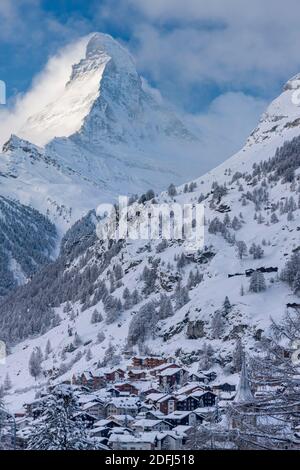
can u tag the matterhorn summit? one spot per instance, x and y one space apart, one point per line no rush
104 102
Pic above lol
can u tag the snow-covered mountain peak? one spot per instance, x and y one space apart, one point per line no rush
101 44
16 143
293 83
282 117
101 49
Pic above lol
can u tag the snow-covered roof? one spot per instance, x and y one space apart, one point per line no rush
155 396
189 387
168 372
165 365
97 429
146 422
181 429
205 410
137 371
147 437
166 397
199 393
158 414
89 405
178 414
104 422
143 385
123 418
124 402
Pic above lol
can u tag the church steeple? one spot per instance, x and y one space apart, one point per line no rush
244 393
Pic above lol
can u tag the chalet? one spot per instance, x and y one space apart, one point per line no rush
124 420
224 387
85 379
160 368
141 425
171 377
166 404
144 408
153 398
163 403
186 418
122 406
113 391
127 387
95 409
98 380
107 423
151 391
154 414
92 381
226 396
205 399
145 441
147 362
100 431
114 375
183 430
169 440
136 374
198 377
187 403
191 387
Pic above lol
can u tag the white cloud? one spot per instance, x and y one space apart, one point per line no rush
226 125
46 87
253 44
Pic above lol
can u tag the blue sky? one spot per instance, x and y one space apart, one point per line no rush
209 59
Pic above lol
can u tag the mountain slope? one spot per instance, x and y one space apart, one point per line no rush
251 198
28 240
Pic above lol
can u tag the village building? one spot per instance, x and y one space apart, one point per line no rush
114 375
142 425
126 387
147 362
161 367
136 374
122 406
94 408
188 418
205 399
171 377
187 403
91 380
